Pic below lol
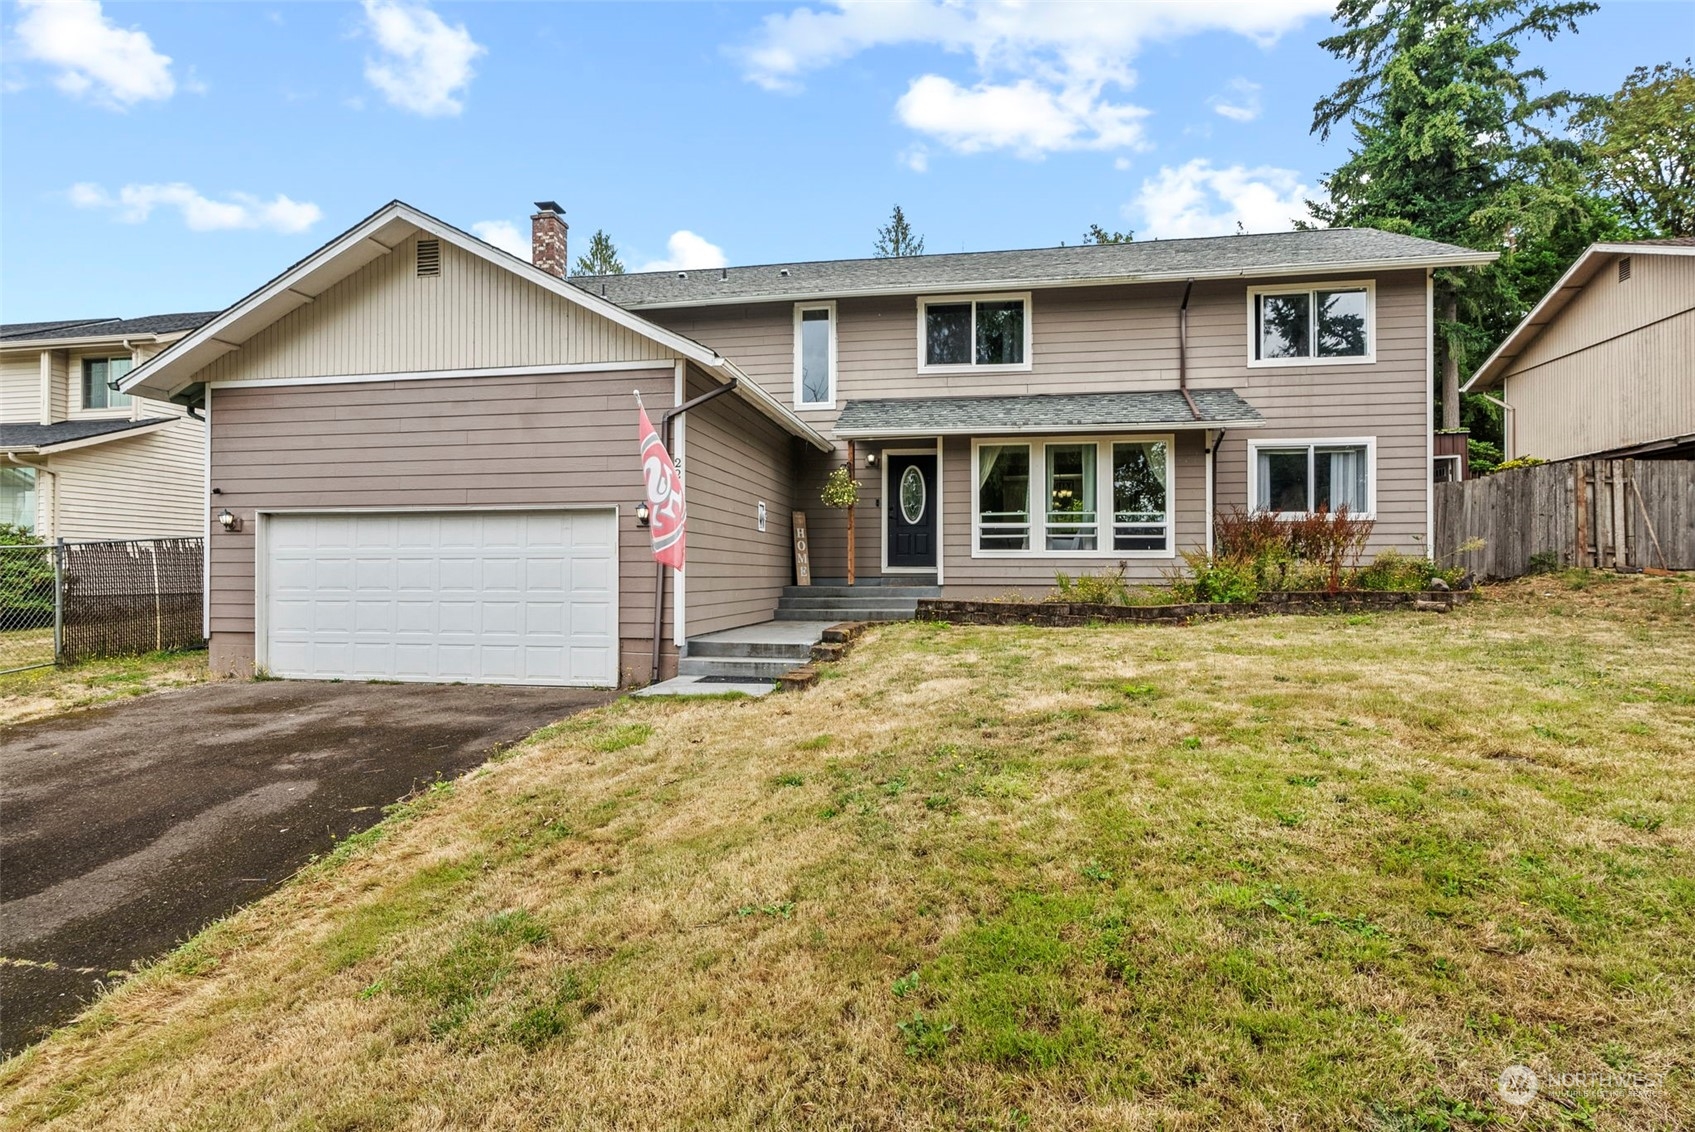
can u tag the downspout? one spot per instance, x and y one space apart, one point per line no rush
1213 438
43 470
1183 350
1512 424
659 567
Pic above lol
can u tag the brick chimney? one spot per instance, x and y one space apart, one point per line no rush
547 238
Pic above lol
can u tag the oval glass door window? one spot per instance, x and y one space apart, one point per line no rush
913 495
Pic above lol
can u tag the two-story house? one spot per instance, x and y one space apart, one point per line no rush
81 459
423 449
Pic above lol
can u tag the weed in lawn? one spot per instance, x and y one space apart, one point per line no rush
816 743
905 985
455 983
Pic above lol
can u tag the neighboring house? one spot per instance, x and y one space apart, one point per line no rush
79 458
1604 365
427 447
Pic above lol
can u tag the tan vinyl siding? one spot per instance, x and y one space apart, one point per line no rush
1100 339
385 319
561 440
58 386
20 387
733 457
1616 367
143 487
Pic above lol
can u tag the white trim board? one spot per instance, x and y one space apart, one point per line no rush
443 374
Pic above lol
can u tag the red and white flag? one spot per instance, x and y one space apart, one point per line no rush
666 517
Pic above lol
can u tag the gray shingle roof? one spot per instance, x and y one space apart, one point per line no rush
1055 412
1212 257
106 327
44 436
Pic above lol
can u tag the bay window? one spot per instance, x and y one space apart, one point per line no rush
1076 479
98 377
992 331
1308 325
1302 477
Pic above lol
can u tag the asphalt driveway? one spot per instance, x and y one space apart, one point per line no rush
128 828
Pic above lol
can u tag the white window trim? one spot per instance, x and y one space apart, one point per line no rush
800 308
1369 443
1103 496
925 301
75 398
890 502
1368 358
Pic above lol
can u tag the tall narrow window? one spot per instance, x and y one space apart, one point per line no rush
1141 520
98 377
1003 497
1072 519
17 497
815 355
975 332
1312 323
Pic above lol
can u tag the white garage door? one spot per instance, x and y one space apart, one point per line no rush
488 597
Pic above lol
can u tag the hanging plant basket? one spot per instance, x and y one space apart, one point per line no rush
840 489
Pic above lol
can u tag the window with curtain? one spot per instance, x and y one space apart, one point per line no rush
1312 323
1072 520
815 355
1003 497
983 332
98 375
1301 479
17 497
1141 515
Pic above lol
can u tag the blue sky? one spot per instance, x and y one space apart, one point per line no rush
163 157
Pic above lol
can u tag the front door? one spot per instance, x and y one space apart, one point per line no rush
910 511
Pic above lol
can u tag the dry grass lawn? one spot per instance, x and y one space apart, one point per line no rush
1327 872
36 693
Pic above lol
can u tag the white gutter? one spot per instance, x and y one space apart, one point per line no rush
1185 425
93 340
941 286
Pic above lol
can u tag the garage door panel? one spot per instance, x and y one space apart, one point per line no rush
498 597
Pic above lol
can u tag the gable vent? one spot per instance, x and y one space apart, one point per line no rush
429 258
1624 269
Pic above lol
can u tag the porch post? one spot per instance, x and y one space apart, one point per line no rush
853 473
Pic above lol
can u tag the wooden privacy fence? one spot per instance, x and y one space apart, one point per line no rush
130 597
1618 514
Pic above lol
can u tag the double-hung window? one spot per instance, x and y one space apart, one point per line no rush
98 377
1312 325
815 355
1108 497
982 332
1303 477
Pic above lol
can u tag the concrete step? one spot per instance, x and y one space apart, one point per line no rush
856 613
768 650
748 668
858 601
901 592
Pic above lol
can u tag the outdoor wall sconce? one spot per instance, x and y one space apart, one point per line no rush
871 459
228 521
642 514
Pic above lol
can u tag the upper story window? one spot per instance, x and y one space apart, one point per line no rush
98 377
1312 325
971 332
815 355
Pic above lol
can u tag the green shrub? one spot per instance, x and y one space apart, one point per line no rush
1104 588
1216 580
26 579
1520 462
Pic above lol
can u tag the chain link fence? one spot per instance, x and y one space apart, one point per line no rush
76 601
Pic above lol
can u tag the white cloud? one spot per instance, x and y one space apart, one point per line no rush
1044 71
95 57
504 235
688 252
135 203
1240 101
425 63
1121 163
1196 199
1025 117
916 158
